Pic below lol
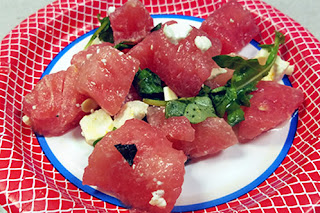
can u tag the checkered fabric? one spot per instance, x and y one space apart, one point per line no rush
29 183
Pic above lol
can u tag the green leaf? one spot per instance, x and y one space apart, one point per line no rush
96 141
148 84
104 32
236 93
205 91
154 102
157 27
124 45
175 108
196 109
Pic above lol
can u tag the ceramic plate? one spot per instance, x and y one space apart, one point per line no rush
276 171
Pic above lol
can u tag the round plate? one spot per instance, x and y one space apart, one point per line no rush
28 180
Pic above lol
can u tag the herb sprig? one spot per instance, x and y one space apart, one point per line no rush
104 32
236 93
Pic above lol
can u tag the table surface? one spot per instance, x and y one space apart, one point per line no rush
306 12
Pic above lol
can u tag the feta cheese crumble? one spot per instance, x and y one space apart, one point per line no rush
132 109
169 94
96 125
279 68
88 56
216 71
104 61
203 43
26 120
111 10
176 32
157 199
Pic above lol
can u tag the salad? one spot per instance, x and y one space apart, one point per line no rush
180 108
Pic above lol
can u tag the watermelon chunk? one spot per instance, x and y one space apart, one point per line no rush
132 95
175 128
53 106
205 138
105 75
233 25
79 58
130 22
271 104
211 136
182 66
157 168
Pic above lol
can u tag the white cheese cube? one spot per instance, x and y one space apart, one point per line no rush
203 43
262 56
176 32
96 125
169 94
132 109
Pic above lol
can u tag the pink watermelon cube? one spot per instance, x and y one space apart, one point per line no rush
205 138
211 136
130 22
152 183
79 58
175 128
233 25
182 66
105 75
53 106
271 104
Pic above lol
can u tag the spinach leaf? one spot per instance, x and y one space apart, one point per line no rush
236 93
148 84
104 32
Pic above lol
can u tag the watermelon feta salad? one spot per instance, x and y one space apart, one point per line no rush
150 97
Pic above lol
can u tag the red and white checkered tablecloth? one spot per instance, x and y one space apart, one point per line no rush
28 181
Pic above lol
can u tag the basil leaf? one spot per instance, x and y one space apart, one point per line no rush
124 45
128 152
175 108
196 109
148 84
157 27
104 32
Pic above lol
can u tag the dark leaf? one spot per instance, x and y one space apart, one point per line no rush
104 32
148 84
124 45
128 151
157 27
